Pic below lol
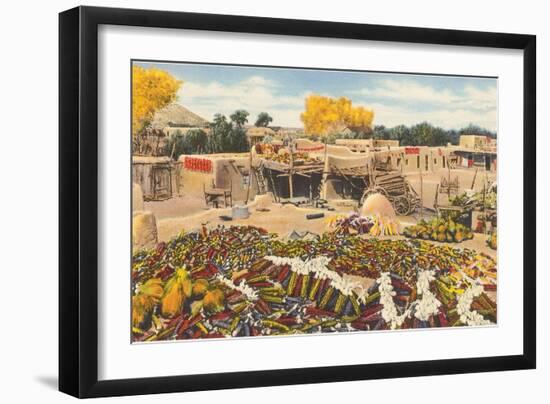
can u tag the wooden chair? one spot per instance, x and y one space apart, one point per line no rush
448 186
212 195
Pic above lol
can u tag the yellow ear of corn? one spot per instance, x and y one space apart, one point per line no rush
374 229
177 289
200 286
213 300
196 306
142 308
331 221
153 288
172 300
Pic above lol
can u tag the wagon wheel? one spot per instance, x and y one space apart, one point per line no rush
372 191
402 205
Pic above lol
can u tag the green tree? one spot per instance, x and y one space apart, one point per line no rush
263 120
439 137
381 132
425 134
197 140
239 140
239 117
228 136
403 134
453 136
472 129
193 142
219 139
422 134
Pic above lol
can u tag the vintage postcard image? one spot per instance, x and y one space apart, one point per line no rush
285 201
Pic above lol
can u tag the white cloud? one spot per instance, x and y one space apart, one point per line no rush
409 91
391 115
255 94
392 102
445 108
416 93
480 99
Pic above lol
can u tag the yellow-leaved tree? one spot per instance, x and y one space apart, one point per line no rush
325 116
152 89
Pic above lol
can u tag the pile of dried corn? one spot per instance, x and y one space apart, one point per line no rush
241 281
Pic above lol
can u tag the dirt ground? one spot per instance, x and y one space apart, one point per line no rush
176 207
280 219
189 212
431 179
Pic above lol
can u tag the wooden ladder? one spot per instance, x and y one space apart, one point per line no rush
260 179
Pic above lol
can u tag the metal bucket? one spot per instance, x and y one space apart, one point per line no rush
240 212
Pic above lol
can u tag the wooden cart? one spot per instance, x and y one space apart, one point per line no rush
365 181
394 186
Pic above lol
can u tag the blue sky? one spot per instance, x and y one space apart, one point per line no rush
449 102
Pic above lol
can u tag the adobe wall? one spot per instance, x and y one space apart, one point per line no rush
219 170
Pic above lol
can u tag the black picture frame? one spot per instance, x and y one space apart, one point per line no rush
78 200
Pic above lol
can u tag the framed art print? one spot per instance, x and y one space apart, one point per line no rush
249 201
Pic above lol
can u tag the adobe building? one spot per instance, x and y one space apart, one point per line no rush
225 171
477 151
152 166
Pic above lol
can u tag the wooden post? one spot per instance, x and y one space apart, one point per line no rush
291 173
449 182
483 212
474 180
173 147
326 151
421 193
324 175
249 175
